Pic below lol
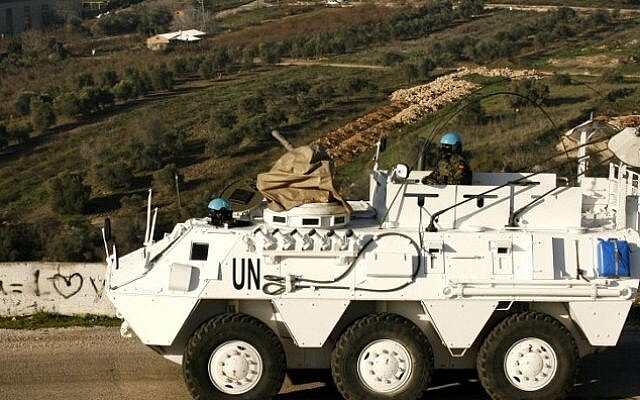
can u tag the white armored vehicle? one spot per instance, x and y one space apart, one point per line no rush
515 275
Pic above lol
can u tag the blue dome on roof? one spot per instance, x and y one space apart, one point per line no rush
218 204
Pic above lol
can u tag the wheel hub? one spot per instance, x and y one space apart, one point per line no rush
530 364
384 366
235 367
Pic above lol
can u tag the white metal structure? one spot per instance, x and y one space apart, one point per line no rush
394 290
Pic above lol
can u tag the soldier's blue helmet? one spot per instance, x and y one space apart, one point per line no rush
451 140
218 204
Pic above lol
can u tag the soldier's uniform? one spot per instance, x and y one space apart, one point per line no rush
452 169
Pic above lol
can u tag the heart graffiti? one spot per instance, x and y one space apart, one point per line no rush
67 286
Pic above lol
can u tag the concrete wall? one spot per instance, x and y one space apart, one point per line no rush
65 288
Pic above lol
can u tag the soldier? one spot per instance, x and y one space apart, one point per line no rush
452 167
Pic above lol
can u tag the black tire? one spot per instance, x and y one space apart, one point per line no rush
491 358
221 329
367 330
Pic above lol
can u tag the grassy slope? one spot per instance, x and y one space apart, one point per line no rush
24 178
572 3
507 140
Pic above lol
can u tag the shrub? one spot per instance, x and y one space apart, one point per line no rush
350 85
269 53
426 66
18 242
133 202
223 118
179 65
161 77
80 243
561 79
68 193
154 143
391 58
42 115
468 8
140 82
612 76
530 91
15 46
67 104
164 179
617 94
82 80
124 90
153 20
108 78
19 131
206 69
4 136
473 114
635 55
221 60
253 105
222 139
22 102
116 175
410 71
324 91
117 23
93 99
601 17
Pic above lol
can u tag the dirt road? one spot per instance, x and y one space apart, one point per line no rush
95 363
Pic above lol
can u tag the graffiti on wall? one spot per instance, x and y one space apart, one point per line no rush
67 288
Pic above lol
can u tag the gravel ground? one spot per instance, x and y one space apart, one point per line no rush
96 363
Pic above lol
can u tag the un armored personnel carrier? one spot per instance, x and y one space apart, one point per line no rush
518 275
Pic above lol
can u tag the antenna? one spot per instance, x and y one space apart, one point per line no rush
148 226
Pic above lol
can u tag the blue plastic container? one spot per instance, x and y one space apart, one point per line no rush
613 258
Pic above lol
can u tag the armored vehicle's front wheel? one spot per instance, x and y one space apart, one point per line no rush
234 356
529 356
382 356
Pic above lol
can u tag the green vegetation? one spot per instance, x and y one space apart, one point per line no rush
83 137
578 3
142 19
49 320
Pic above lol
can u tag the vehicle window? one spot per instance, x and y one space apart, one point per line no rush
199 251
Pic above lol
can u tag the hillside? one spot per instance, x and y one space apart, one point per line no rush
86 136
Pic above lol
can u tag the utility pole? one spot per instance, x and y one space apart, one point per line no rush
178 191
203 20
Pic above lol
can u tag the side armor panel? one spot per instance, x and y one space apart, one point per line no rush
458 322
310 321
602 321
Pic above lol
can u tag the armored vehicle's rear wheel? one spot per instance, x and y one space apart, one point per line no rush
234 356
528 356
382 356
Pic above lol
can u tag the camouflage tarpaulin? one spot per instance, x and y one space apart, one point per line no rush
303 175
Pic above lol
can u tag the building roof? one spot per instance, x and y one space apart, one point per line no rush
189 35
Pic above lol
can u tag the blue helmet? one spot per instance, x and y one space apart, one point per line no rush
451 139
218 204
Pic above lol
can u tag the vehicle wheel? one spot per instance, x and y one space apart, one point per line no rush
382 356
233 356
528 356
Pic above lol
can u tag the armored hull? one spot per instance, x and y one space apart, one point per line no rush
514 281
